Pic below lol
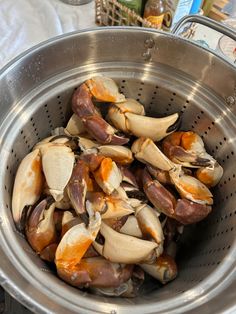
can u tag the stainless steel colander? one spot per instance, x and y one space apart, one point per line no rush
167 74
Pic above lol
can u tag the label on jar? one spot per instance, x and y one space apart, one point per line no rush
156 20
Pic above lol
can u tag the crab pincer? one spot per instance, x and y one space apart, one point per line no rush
129 117
77 186
184 210
28 186
102 89
40 228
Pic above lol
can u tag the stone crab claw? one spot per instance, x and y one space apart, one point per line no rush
40 228
96 272
95 125
122 248
164 269
187 149
129 118
108 206
183 210
76 242
58 162
28 186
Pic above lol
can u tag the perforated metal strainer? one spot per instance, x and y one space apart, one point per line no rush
166 74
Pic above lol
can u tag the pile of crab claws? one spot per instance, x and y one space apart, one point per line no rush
164 269
130 118
40 228
122 248
28 186
97 225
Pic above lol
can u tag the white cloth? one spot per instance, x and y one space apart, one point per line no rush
24 23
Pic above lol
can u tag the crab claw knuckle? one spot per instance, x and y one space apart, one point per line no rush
122 248
28 184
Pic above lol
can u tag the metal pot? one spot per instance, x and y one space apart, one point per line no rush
167 74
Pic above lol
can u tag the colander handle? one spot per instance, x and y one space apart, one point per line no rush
219 27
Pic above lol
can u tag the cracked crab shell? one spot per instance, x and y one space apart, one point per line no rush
57 162
28 184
